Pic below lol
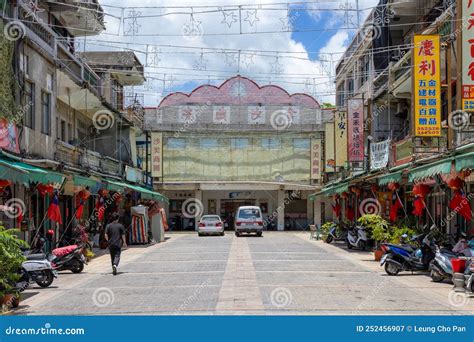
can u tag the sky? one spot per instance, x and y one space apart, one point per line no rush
184 44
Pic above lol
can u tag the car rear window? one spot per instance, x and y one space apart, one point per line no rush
249 213
210 218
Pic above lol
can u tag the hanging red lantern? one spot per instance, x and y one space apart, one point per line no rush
83 194
421 190
356 190
4 183
393 186
345 195
455 183
103 192
45 189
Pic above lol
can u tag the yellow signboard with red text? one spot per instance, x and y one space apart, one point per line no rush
427 85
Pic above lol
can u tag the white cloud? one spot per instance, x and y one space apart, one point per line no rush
299 74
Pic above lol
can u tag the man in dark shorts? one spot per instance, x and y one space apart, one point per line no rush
115 235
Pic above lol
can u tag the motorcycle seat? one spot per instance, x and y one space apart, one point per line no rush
448 252
40 256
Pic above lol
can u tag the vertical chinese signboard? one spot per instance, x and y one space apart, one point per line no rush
156 154
355 130
467 60
340 137
329 147
426 85
316 159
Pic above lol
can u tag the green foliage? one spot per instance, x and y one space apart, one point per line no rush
376 226
326 227
397 232
7 86
11 258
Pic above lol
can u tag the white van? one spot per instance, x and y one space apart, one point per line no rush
248 219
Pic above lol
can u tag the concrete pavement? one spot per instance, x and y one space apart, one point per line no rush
280 273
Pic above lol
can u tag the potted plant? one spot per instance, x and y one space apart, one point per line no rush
11 258
378 229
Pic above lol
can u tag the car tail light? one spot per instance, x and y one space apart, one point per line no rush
201 224
238 223
260 223
219 224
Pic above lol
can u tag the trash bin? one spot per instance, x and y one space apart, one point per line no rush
458 265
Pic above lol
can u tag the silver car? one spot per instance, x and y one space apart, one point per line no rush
210 224
248 219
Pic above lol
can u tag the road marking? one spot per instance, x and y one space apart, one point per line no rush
240 292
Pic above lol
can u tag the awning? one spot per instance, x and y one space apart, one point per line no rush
94 184
394 177
24 173
430 170
464 161
146 193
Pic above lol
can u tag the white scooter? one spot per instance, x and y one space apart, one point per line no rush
39 269
356 237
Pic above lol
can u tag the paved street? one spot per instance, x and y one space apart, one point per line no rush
281 273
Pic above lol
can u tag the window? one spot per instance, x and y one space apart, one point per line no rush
70 132
63 136
45 112
271 143
301 144
350 87
29 105
340 95
364 72
209 143
238 143
176 143
24 63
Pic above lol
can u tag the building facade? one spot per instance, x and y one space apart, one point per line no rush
381 70
236 144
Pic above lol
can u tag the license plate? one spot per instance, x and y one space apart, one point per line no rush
382 261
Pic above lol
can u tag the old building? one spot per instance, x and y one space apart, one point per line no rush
237 144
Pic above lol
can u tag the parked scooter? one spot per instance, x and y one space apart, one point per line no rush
441 267
68 258
39 269
334 234
356 237
406 258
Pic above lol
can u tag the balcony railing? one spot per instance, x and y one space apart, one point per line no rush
59 50
85 159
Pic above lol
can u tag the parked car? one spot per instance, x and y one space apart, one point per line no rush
210 224
248 219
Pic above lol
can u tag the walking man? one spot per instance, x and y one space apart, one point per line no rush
115 235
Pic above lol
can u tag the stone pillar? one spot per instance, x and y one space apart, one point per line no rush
317 211
281 210
199 206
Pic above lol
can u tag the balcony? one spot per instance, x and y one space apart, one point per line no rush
87 160
81 17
